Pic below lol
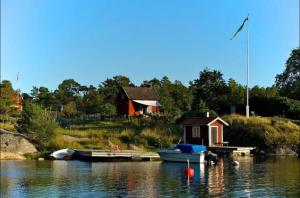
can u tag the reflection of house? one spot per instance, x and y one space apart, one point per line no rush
17 101
204 130
135 101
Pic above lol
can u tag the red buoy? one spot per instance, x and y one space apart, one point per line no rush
189 172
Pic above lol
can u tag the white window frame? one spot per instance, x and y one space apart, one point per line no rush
196 132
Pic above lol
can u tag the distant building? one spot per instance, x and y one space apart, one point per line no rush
203 130
136 101
17 101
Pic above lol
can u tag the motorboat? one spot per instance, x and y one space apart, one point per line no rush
63 154
183 153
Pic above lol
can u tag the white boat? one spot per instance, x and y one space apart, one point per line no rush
63 154
184 152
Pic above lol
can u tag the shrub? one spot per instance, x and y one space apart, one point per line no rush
38 124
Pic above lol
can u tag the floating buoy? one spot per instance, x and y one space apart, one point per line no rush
189 171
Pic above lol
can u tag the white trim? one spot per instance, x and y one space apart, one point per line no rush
218 118
211 134
184 135
222 134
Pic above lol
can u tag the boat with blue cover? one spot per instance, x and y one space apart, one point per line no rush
184 152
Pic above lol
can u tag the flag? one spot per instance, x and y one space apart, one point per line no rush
240 28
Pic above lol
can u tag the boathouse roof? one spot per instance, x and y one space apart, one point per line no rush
194 121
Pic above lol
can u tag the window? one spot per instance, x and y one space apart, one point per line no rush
196 132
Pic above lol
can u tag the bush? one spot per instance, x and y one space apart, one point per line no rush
38 124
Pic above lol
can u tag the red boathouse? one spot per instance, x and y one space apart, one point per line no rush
206 131
136 101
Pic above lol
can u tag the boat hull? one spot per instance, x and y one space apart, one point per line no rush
178 156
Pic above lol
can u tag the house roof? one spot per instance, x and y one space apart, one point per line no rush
194 121
140 93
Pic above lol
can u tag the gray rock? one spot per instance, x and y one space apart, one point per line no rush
15 143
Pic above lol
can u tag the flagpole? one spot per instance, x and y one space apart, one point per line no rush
247 105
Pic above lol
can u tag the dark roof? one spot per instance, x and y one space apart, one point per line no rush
140 93
194 121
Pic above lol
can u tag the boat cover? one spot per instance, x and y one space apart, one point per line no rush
191 148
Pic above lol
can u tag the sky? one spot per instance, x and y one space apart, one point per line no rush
48 41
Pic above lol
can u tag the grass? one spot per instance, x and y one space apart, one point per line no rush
146 134
263 132
7 126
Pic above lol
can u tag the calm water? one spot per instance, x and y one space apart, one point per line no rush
255 177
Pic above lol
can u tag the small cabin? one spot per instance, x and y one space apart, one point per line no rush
137 101
206 131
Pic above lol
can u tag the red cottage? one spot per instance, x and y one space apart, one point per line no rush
204 130
17 101
135 101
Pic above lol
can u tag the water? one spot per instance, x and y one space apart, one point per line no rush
255 177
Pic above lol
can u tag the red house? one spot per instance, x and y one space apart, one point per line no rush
135 101
17 101
204 130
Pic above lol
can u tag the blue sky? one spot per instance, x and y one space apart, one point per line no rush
47 41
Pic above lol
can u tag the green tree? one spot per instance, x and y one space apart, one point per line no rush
288 82
92 101
211 88
236 93
110 88
109 109
6 97
68 90
38 123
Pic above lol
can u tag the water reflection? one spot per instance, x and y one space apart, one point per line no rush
254 177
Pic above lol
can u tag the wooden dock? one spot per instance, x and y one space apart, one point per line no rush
234 150
111 155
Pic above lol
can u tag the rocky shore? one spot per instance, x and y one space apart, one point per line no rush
14 146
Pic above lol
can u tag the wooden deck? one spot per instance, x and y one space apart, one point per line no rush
110 155
235 150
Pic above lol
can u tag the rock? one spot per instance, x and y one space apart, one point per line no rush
14 145
41 159
11 156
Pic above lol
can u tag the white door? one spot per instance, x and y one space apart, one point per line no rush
213 135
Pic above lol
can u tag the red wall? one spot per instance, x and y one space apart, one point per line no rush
203 135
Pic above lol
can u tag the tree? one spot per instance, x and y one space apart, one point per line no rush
92 101
288 82
68 90
6 97
38 123
236 93
44 97
111 87
209 87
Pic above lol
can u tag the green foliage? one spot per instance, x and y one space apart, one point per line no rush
210 87
38 124
276 106
6 94
261 132
109 109
111 87
288 81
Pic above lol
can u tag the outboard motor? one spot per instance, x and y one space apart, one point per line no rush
211 157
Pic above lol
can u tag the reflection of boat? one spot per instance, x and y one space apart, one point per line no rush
184 152
63 154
